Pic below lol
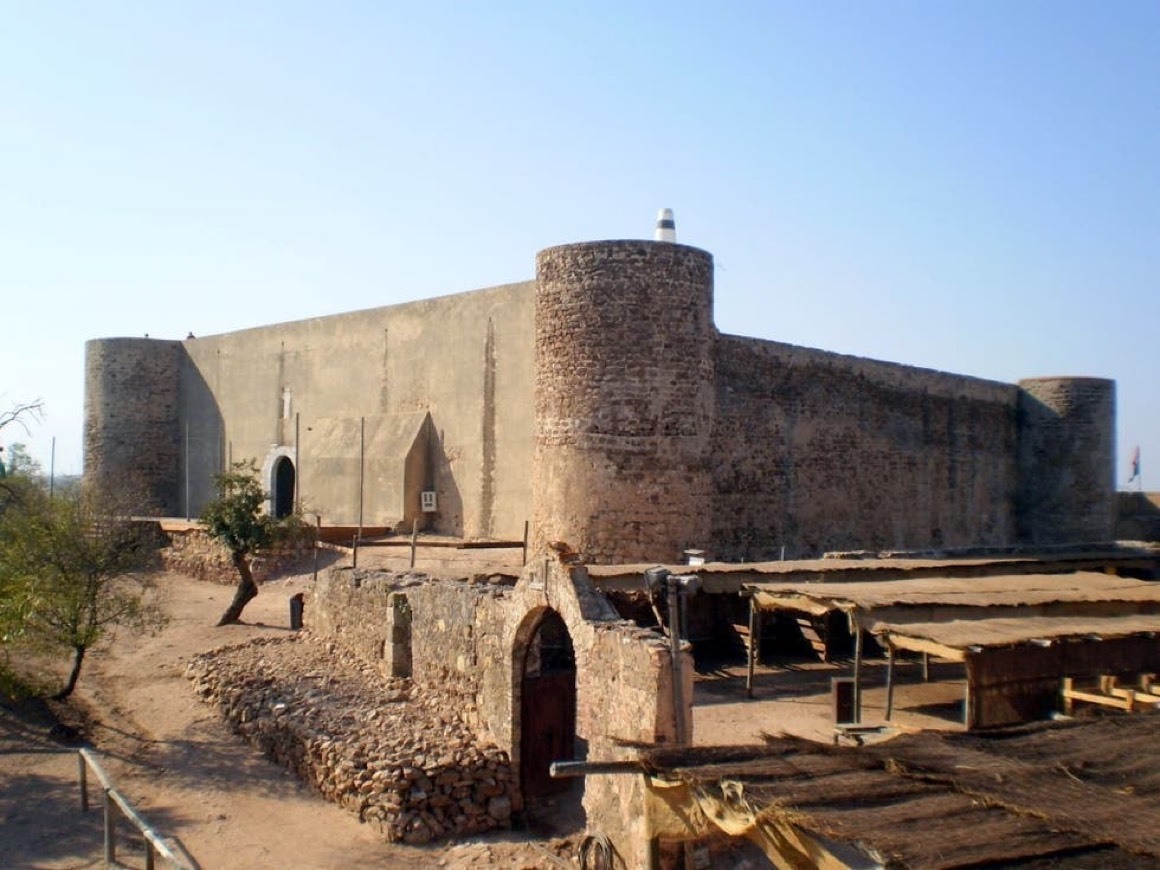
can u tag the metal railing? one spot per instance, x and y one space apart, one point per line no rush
114 801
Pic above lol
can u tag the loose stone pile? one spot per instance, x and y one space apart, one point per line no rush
397 756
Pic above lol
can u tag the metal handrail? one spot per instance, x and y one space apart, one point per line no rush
154 845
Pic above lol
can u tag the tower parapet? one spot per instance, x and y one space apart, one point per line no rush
623 399
132 429
1066 460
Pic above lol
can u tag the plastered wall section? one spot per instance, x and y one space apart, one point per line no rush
465 360
820 451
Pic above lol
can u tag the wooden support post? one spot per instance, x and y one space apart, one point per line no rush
414 535
926 667
149 855
752 647
1068 700
970 698
889 679
526 525
857 673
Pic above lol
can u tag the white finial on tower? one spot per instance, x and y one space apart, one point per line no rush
666 226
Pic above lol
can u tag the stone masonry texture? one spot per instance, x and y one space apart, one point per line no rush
623 398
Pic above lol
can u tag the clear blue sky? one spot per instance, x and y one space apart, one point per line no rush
970 186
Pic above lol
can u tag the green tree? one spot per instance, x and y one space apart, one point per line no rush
18 461
18 415
75 566
237 519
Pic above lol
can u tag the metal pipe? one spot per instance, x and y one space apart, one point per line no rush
565 769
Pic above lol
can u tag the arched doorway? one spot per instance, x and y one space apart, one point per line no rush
547 706
283 497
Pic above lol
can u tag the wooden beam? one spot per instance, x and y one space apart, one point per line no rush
923 645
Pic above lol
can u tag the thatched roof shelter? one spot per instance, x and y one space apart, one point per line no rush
1069 795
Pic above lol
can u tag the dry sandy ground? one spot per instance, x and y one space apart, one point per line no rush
191 778
230 808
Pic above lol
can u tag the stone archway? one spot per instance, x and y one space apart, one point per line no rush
545 665
279 476
282 492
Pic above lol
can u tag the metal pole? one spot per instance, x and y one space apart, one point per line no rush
84 777
889 678
362 459
526 524
675 649
414 535
110 833
752 647
317 535
187 470
857 673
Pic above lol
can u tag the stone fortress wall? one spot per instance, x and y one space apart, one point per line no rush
600 403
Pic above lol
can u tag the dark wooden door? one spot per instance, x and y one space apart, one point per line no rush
548 730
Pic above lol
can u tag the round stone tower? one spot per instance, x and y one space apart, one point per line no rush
624 399
1066 460
132 429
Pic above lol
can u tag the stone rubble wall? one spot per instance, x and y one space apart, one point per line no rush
467 641
195 554
402 758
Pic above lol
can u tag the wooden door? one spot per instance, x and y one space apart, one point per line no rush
547 730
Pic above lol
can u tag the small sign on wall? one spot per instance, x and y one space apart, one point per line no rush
427 501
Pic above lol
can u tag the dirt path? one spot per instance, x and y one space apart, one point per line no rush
175 759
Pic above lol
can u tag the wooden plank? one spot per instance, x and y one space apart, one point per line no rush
922 645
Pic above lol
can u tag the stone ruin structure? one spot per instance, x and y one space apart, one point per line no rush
433 708
599 404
